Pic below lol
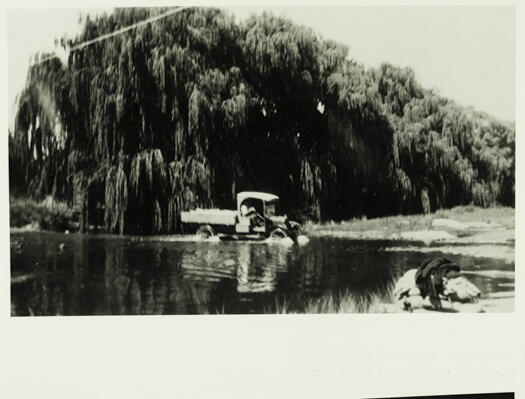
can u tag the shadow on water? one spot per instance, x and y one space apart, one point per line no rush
57 274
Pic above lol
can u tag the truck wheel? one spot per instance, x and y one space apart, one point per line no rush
205 232
278 234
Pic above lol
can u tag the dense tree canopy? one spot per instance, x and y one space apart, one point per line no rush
192 108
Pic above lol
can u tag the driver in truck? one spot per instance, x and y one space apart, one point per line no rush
251 213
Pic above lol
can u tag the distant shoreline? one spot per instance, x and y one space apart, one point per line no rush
463 225
459 225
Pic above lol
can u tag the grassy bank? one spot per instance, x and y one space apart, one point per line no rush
471 220
46 215
345 302
348 302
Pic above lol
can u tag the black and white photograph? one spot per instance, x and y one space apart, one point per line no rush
272 199
272 160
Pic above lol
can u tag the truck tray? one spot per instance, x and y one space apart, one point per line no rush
210 216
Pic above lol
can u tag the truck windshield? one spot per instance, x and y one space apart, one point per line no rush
256 204
271 209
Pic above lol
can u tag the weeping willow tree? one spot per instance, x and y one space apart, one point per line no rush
444 154
192 108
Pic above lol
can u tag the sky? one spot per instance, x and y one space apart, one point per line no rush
467 53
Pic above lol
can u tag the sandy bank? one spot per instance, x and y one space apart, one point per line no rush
500 236
469 231
463 224
494 303
503 252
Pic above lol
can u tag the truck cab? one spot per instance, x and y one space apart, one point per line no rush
259 212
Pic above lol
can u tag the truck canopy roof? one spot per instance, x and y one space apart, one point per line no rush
257 195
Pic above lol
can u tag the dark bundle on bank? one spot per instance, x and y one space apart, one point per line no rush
188 110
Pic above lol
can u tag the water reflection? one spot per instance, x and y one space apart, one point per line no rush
106 275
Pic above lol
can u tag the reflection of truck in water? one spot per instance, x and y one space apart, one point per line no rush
255 217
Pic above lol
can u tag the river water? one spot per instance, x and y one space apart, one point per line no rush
74 274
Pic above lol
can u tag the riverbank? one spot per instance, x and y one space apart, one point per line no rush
349 302
461 225
49 214
464 230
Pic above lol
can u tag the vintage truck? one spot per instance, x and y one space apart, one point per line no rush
255 217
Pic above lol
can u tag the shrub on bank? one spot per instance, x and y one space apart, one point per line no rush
47 214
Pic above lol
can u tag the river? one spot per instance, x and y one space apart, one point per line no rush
75 274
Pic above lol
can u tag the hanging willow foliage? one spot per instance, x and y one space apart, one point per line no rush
116 200
189 110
